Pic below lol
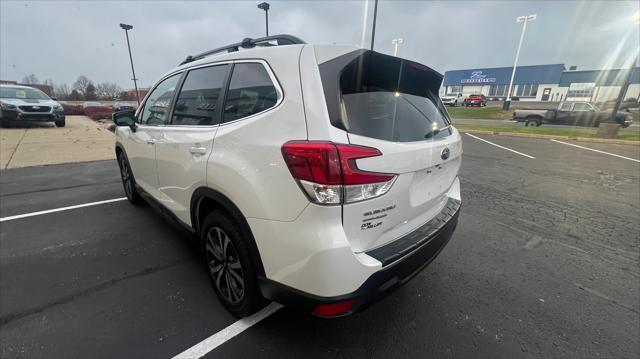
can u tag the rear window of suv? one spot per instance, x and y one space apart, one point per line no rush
389 98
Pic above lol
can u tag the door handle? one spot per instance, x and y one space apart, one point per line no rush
198 151
151 141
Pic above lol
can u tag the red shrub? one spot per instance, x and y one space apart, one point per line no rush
72 109
89 111
100 115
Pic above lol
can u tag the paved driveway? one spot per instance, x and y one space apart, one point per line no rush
37 144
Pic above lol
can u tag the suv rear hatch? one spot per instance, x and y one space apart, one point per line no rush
392 105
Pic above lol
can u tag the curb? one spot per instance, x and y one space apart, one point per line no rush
579 139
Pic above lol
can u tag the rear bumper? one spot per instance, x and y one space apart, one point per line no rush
428 241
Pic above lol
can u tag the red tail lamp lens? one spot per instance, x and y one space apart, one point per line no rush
335 309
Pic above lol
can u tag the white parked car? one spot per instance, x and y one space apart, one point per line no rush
28 104
303 185
453 99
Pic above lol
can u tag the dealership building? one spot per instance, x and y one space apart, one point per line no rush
543 83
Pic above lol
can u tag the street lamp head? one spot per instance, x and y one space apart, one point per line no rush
528 18
264 6
126 27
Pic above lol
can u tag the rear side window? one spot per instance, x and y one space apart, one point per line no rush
198 101
156 108
250 91
391 99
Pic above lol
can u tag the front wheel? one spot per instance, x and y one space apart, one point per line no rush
61 123
128 181
231 268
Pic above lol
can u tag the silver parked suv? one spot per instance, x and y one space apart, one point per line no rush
320 176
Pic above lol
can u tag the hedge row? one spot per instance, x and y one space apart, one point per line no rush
95 113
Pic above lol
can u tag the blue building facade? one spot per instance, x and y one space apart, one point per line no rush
542 83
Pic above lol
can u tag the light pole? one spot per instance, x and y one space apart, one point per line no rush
126 29
373 28
635 20
525 20
265 6
396 43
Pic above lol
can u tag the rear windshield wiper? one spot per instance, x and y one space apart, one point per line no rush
436 131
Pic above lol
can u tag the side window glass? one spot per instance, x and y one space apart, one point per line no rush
250 91
197 103
581 107
566 106
156 108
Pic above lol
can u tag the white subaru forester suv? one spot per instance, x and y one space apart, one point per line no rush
315 176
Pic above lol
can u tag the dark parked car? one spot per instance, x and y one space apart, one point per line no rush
573 114
475 100
122 106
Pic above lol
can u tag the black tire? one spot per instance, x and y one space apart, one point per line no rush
230 265
128 181
533 121
61 123
3 123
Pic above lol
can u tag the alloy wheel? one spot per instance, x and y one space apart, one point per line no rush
125 173
224 265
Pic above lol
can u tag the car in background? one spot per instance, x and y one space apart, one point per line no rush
87 104
24 103
452 99
121 106
475 100
578 113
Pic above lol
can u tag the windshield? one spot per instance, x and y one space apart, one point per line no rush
25 93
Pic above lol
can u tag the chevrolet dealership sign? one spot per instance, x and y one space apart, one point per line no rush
477 77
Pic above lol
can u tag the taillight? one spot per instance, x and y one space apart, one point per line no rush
513 116
328 174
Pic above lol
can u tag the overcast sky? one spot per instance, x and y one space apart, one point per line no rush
60 40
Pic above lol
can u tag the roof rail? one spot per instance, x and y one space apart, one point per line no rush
248 43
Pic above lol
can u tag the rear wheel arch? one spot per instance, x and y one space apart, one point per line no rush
206 200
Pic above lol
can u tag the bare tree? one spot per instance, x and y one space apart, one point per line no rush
108 90
62 92
81 85
30 79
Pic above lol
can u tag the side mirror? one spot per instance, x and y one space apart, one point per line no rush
125 118
54 99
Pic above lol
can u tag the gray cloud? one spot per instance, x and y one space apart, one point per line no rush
61 40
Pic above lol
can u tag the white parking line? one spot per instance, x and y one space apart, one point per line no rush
504 148
591 149
18 216
201 349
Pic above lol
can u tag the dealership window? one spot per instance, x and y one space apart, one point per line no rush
527 90
581 89
498 90
455 89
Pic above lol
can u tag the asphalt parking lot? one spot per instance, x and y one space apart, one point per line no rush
544 263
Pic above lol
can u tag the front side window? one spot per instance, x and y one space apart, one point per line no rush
156 108
581 107
197 103
392 99
250 91
565 106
